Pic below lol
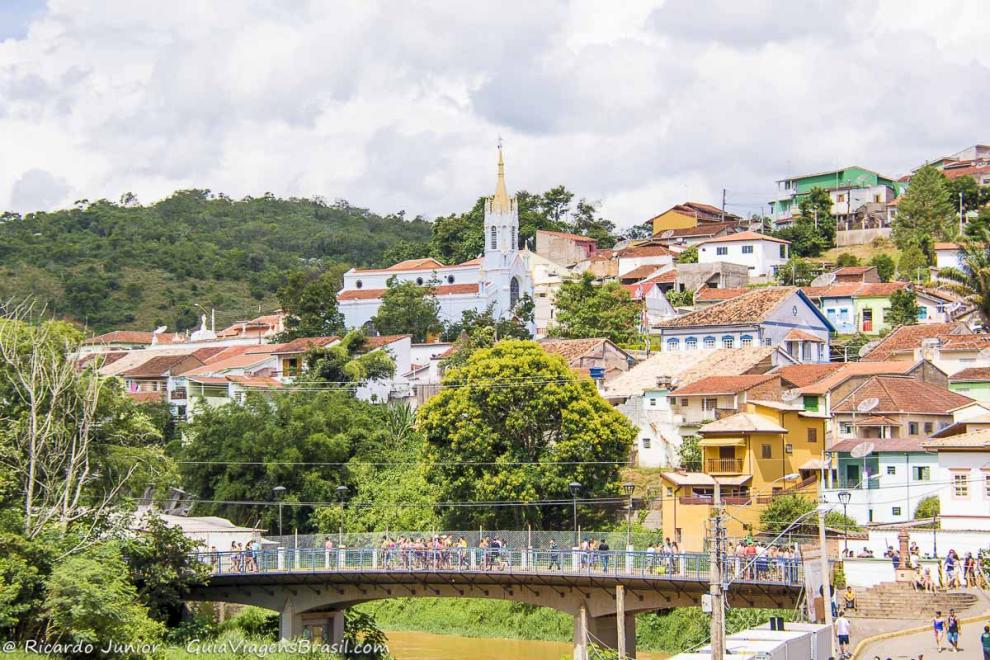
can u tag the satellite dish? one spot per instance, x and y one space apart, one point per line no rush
867 347
667 234
862 450
866 405
824 279
160 329
789 395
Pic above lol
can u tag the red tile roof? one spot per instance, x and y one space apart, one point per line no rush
745 236
641 272
751 307
384 340
899 394
707 294
161 365
955 173
908 337
724 384
573 237
572 349
706 229
853 270
131 337
800 335
948 246
147 397
849 370
882 445
971 374
644 251
374 294
966 343
854 290
264 382
300 345
801 375
409 264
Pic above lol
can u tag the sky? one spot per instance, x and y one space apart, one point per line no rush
399 106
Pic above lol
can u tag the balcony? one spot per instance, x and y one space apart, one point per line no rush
723 465
178 394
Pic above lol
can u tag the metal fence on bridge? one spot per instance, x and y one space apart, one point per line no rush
514 539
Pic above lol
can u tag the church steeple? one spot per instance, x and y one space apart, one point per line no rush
501 223
501 202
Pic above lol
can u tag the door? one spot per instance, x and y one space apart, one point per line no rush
852 475
868 319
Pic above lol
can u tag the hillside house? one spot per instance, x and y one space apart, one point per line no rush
762 255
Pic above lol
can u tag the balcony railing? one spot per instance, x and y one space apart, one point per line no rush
178 394
715 465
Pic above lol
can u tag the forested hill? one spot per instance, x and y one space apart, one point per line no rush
130 266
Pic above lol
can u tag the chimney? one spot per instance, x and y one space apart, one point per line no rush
930 348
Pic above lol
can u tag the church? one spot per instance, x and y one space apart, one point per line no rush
498 278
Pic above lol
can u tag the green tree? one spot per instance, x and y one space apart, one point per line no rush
796 272
913 265
459 237
239 453
903 308
408 308
689 453
924 212
784 510
349 361
973 281
639 232
24 566
515 423
403 251
585 309
885 266
847 259
90 600
680 298
162 568
813 231
309 300
688 256
473 321
586 222
974 196
928 507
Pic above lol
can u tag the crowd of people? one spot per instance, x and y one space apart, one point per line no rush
954 571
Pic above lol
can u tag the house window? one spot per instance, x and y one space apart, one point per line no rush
721 251
812 435
922 473
709 404
419 281
745 341
673 344
783 251
727 341
646 443
960 485
513 292
912 428
840 198
709 342
493 239
684 403
670 491
810 403
450 279
789 448
768 342
747 249
922 312
358 284
766 451
896 511
691 343
986 487
892 469
846 428
928 428
653 403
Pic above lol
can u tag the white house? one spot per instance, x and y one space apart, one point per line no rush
762 254
948 255
965 497
497 279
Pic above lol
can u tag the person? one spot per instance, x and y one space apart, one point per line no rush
603 550
554 556
651 558
850 598
969 569
842 630
895 559
938 625
985 642
952 628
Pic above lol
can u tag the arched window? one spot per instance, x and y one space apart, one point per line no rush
727 341
709 342
691 343
450 279
493 240
673 344
358 285
746 341
419 281
513 292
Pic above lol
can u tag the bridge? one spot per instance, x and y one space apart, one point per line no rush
311 588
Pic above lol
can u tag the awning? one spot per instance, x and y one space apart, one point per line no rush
721 442
813 464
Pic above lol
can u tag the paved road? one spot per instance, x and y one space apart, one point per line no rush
909 646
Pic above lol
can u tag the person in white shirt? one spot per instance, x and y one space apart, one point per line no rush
842 630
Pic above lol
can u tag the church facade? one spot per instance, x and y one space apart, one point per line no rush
498 278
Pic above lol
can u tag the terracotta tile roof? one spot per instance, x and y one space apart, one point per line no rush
854 270
971 374
744 422
384 340
374 294
261 324
409 264
707 294
205 353
751 307
264 382
146 397
882 445
801 375
573 237
300 345
745 236
724 384
663 278
848 370
908 337
641 272
899 394
957 172
973 440
571 349
131 337
644 251
800 335
854 290
159 366
102 359
948 246
209 380
243 360
877 420
966 342
705 229
470 262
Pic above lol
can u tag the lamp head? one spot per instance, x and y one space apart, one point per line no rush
279 491
342 493
575 488
629 487
844 496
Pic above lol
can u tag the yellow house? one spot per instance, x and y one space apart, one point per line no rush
689 214
763 450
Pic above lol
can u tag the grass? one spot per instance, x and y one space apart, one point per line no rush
863 252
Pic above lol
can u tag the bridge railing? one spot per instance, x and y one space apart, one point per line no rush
682 566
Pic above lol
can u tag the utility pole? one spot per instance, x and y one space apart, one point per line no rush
722 218
823 559
620 619
717 630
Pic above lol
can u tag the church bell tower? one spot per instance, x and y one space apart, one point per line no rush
501 224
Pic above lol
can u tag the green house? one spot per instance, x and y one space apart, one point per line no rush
849 187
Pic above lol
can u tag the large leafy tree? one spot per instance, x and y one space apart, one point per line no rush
885 266
586 309
813 231
925 212
903 308
349 361
973 281
784 510
309 300
300 441
796 272
516 424
408 309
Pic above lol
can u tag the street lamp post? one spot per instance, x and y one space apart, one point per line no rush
629 488
279 493
844 497
342 496
575 489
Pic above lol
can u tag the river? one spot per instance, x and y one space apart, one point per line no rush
407 645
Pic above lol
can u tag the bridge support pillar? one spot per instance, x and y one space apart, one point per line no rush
290 623
603 630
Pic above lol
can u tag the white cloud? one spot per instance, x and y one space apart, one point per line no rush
398 105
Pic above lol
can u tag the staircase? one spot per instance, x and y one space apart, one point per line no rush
898 600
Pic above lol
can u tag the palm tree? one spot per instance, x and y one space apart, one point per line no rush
972 281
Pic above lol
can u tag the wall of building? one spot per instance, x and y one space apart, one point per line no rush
764 258
950 259
860 236
658 438
725 275
894 495
672 219
686 523
841 313
562 250
970 511
979 391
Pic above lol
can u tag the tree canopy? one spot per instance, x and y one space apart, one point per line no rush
515 423
586 309
813 231
408 309
903 308
924 212
309 300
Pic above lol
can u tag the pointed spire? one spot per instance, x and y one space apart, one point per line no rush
500 201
